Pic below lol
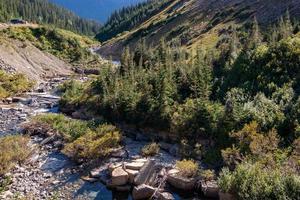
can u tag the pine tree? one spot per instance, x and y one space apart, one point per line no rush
201 77
255 38
125 60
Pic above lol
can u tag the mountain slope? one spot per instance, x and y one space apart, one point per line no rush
23 57
98 10
40 52
199 22
44 12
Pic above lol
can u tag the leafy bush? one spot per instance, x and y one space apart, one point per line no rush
14 150
187 168
150 149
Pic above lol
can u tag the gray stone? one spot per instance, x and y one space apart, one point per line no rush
134 165
165 196
210 189
145 173
180 182
119 177
142 192
132 174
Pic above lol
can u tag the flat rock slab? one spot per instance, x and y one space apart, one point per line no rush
134 165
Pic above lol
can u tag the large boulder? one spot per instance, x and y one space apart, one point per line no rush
119 177
142 192
210 189
180 182
114 166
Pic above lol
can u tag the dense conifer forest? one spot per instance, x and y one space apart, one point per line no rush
44 12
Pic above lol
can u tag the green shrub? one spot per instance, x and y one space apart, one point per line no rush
208 175
150 149
225 181
254 181
12 84
14 150
187 168
70 129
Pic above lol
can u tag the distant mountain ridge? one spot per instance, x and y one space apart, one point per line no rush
98 10
44 12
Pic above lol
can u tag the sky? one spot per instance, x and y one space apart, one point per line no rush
98 10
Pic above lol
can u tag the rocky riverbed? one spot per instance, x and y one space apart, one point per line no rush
48 174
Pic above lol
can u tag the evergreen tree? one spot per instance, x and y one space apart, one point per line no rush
255 37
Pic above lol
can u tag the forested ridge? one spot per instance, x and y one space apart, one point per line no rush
44 12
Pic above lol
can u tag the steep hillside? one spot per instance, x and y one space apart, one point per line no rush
66 45
199 22
44 12
40 52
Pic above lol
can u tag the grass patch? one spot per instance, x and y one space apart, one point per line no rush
14 150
